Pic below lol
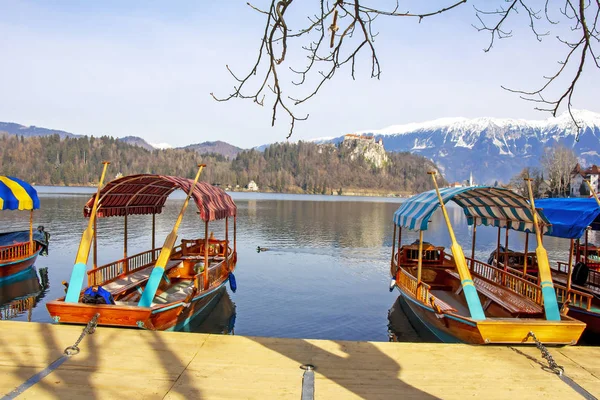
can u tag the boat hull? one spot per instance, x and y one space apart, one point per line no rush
13 267
168 317
591 319
432 327
452 328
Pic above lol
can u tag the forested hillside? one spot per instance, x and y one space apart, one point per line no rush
287 167
312 168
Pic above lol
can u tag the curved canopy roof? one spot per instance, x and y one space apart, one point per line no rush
147 193
570 217
16 194
491 205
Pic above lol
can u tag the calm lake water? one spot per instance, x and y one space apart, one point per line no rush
325 275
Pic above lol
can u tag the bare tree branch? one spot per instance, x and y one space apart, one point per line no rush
351 30
576 13
349 26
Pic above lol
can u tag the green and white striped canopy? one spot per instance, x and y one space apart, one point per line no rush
491 206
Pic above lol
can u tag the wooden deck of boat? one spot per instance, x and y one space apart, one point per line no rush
121 363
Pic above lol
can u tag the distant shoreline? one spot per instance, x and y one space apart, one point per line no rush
79 189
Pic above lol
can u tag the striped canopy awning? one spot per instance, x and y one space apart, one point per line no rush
147 193
16 194
487 205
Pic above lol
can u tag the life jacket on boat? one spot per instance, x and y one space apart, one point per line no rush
97 295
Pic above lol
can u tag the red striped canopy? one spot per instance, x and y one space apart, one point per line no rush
147 193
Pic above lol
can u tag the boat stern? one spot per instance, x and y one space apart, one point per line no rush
130 316
567 331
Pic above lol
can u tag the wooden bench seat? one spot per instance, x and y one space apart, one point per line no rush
178 292
136 278
504 297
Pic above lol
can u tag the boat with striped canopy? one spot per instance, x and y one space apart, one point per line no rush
453 298
165 287
20 249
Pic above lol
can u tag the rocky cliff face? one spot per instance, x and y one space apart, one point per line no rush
366 146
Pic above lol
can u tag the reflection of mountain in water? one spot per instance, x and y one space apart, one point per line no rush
218 316
343 224
21 293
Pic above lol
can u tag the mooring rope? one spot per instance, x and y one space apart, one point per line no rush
559 369
67 353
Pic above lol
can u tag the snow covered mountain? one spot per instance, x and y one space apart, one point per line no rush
492 148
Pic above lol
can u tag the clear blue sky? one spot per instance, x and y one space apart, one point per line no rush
146 68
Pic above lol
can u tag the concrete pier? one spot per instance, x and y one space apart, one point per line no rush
131 364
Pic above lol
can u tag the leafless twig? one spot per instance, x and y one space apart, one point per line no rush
581 17
351 30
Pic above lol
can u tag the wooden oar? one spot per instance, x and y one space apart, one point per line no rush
548 292
78 273
165 252
461 264
593 191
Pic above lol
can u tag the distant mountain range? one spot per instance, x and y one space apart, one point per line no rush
491 148
217 147
27 131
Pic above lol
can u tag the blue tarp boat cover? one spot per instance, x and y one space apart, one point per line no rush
39 235
569 217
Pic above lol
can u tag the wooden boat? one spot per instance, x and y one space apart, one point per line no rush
22 292
20 249
476 303
162 288
516 260
579 290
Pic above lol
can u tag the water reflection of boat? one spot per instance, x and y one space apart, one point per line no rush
19 250
401 328
218 317
482 304
22 292
160 289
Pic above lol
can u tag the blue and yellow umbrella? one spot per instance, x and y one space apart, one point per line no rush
16 194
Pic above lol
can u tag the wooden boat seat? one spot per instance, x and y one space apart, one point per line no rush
177 292
132 280
504 297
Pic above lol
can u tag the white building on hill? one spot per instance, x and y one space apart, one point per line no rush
578 175
252 186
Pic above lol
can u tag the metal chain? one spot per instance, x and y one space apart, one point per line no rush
559 369
89 328
552 365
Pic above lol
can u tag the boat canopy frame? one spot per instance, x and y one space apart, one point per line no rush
482 205
144 194
147 193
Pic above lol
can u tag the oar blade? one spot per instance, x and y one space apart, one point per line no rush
467 283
